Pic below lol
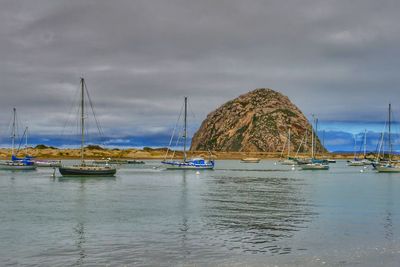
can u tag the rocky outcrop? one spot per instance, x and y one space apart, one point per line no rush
256 121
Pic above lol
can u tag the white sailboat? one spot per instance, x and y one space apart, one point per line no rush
315 164
16 163
357 161
288 160
85 169
390 166
186 163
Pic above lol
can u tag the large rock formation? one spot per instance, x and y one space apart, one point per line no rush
256 121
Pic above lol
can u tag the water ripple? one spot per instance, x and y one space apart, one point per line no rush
253 214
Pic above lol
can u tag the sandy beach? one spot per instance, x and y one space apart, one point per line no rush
148 153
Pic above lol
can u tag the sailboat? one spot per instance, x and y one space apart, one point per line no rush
389 166
380 149
186 163
297 159
16 163
85 169
289 160
315 164
356 161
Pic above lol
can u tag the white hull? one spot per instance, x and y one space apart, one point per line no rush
48 164
392 169
355 163
358 163
16 166
314 167
250 160
289 162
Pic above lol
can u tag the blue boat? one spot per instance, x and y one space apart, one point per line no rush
16 163
196 163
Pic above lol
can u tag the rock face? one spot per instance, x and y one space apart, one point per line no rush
258 121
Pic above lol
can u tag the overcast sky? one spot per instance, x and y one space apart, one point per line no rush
337 59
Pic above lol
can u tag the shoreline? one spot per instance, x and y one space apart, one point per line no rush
148 154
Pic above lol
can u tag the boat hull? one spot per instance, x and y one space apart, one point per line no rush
16 167
355 164
289 162
48 164
315 167
250 160
83 171
175 165
388 169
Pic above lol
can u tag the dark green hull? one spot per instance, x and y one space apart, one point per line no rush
71 171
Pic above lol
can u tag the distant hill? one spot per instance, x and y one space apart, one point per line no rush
254 122
41 146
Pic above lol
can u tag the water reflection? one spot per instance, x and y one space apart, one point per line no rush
184 227
388 220
79 228
254 214
85 179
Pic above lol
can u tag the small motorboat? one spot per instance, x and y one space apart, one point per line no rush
250 160
48 163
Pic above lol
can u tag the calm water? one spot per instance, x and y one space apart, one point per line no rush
239 214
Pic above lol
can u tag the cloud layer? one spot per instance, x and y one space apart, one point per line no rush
336 59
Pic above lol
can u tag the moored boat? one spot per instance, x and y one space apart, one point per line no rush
195 163
315 164
390 166
16 163
250 160
48 163
289 160
85 169
134 161
355 163
186 163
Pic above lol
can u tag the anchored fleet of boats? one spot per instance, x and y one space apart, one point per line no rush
106 167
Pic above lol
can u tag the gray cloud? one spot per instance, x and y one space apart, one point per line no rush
337 59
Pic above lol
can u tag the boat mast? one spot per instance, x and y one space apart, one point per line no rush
390 141
365 143
13 131
316 136
185 131
26 140
82 117
288 153
312 139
